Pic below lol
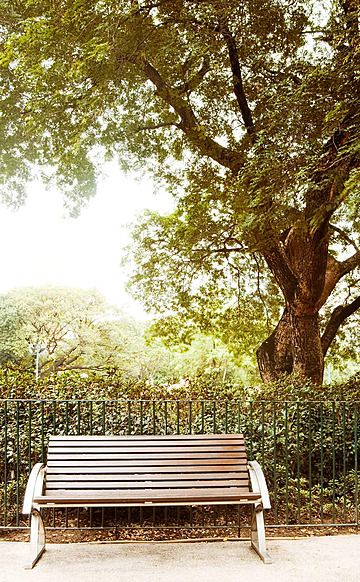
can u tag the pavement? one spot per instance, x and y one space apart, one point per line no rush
314 559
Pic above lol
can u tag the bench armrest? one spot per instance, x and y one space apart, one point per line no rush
34 487
258 483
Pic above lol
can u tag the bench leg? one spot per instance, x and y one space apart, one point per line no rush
258 541
37 539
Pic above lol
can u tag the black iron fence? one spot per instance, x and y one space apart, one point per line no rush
308 451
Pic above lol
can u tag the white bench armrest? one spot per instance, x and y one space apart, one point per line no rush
34 487
258 483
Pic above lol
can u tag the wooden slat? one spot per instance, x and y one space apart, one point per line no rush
146 485
65 451
59 477
211 445
182 437
146 456
162 469
146 495
146 462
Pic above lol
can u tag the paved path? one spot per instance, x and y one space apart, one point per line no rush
317 559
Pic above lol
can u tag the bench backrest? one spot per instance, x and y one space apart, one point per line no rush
93 463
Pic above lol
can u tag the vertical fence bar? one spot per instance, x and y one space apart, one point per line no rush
103 413
190 416
310 462
356 464
67 417
262 435
5 463
141 417
78 418
91 417
66 432
286 464
275 461
177 417
17 473
251 431
333 463
321 463
154 417
129 417
91 511
298 462
42 422
344 461
54 417
29 436
78 431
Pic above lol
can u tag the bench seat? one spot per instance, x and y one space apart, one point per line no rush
219 495
123 471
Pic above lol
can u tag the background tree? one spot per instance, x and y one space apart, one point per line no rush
64 328
53 329
252 126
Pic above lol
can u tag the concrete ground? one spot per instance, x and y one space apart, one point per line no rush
315 559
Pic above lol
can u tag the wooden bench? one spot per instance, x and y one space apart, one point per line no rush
122 471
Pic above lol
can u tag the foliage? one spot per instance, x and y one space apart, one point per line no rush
248 112
76 329
66 327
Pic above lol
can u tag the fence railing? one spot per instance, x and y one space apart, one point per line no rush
308 450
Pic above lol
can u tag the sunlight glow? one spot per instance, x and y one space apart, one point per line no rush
42 245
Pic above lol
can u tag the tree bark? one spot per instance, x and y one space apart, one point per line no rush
293 347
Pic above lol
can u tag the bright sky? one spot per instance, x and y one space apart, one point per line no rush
42 245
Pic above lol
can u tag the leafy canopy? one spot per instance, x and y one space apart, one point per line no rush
233 104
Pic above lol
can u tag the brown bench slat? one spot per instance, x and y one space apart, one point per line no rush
145 476
162 469
145 462
229 494
211 445
169 437
144 456
73 486
124 450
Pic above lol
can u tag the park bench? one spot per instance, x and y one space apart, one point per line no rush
123 471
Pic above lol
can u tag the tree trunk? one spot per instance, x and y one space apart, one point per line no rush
293 347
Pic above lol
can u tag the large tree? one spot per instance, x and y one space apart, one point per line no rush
248 110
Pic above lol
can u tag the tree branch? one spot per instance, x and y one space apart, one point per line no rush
224 249
278 264
156 126
195 81
338 316
343 235
237 82
351 263
189 124
334 272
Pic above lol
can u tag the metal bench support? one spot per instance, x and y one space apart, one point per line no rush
258 540
37 532
37 539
